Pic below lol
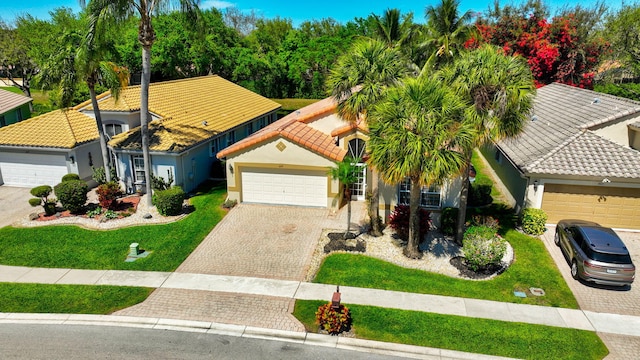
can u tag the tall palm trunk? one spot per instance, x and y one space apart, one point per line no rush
374 205
347 194
464 197
412 251
103 140
144 117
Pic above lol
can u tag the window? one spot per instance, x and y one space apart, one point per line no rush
262 122
429 197
498 156
249 128
138 168
214 147
19 115
231 137
112 129
356 148
2 121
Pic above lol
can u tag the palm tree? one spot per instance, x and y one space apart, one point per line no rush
447 31
120 10
79 60
357 82
415 134
499 91
345 172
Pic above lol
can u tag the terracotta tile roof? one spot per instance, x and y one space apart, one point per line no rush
56 129
295 128
359 125
561 115
192 110
10 101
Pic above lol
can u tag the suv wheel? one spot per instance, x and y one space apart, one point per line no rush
574 269
556 238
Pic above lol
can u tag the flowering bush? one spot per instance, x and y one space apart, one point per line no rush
482 247
107 194
333 321
399 221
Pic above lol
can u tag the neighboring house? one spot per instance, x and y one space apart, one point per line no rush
42 149
287 163
191 120
13 107
577 158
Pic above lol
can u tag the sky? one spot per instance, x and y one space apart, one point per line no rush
298 10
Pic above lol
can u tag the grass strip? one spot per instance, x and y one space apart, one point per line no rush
294 104
69 299
459 333
533 267
67 246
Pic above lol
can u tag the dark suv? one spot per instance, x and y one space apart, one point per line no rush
596 253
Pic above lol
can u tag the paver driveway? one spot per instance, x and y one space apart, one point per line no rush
605 299
263 241
14 204
256 241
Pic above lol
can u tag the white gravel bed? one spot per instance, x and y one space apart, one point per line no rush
437 250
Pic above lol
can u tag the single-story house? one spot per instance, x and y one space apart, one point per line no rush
578 157
13 107
43 149
287 163
191 120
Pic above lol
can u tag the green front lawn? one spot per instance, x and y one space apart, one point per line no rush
533 267
69 299
74 247
459 333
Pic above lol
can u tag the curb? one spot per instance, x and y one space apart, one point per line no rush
303 338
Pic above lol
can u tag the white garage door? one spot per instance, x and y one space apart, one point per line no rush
284 189
30 170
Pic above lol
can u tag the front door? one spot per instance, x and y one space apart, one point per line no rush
356 151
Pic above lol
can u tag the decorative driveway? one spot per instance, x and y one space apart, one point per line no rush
14 204
275 242
606 299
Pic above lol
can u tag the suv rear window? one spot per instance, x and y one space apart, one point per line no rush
609 258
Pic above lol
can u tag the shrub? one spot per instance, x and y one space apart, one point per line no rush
449 220
70 177
533 221
333 321
72 194
169 202
159 183
482 247
479 195
108 193
399 221
485 220
228 204
110 214
95 212
100 177
42 193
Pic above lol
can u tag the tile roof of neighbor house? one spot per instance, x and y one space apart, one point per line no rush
557 140
10 101
294 127
191 111
56 129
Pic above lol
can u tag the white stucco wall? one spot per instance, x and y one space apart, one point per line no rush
617 132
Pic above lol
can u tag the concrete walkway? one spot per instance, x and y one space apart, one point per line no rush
568 318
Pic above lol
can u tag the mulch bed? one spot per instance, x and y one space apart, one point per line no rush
126 204
337 242
460 263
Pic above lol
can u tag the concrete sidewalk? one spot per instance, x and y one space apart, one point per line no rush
542 315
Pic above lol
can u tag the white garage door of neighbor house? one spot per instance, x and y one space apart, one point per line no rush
30 170
284 189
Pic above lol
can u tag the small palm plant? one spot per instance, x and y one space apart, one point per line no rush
346 172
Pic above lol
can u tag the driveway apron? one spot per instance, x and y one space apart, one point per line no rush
605 299
275 242
14 204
